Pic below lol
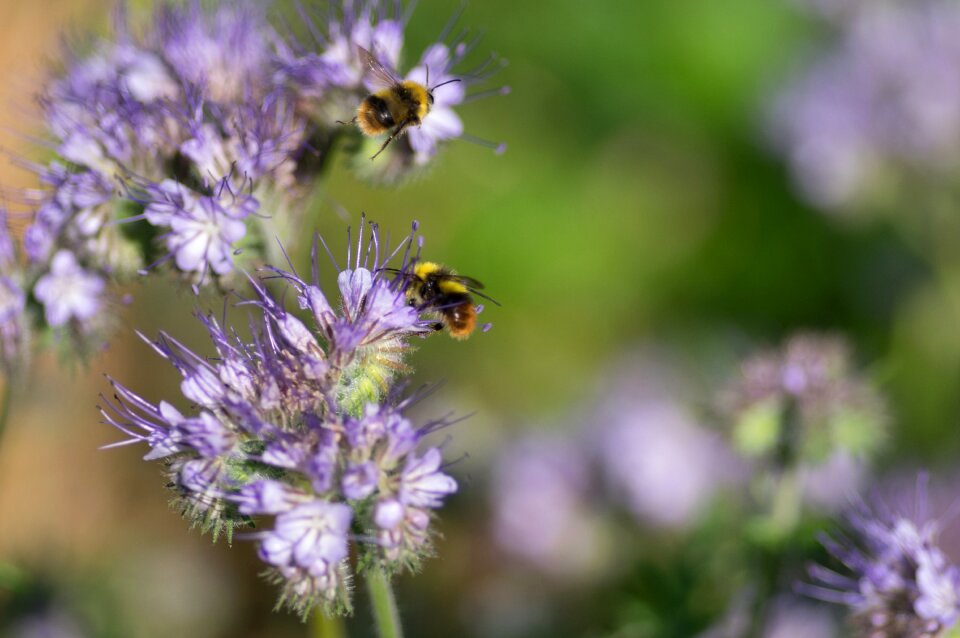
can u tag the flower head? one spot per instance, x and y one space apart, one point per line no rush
806 393
68 292
882 102
298 423
900 582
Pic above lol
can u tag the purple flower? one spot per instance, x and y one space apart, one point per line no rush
900 582
311 536
226 52
809 393
203 232
184 121
884 99
660 462
298 422
375 26
360 480
542 510
69 292
422 484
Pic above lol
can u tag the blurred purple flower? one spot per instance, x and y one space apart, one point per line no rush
227 53
665 466
883 101
807 393
69 292
541 507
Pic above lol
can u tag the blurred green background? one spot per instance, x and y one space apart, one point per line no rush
638 204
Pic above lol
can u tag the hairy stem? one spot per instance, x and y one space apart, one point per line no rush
384 605
323 626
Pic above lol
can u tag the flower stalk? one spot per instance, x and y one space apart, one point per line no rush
385 613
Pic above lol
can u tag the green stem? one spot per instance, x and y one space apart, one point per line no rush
323 626
787 502
384 605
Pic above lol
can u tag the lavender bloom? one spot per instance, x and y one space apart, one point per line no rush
901 583
69 292
227 53
298 423
203 229
808 394
541 507
884 100
661 463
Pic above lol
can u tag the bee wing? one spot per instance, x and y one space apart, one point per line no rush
472 285
380 75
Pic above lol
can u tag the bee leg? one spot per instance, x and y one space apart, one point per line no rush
397 131
353 121
438 326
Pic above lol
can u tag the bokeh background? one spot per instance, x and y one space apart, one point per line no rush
640 221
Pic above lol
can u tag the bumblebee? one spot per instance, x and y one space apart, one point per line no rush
395 105
437 288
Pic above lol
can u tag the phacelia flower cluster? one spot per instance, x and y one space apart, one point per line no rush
896 582
196 141
804 403
299 424
880 109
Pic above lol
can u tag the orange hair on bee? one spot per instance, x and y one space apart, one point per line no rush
460 320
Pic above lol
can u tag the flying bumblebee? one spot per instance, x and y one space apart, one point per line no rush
438 289
396 104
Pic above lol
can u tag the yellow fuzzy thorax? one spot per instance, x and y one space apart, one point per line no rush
428 269
418 95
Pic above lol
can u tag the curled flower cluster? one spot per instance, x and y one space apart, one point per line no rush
805 403
900 582
196 142
881 108
298 423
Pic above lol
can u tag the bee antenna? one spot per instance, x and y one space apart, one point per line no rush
442 83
